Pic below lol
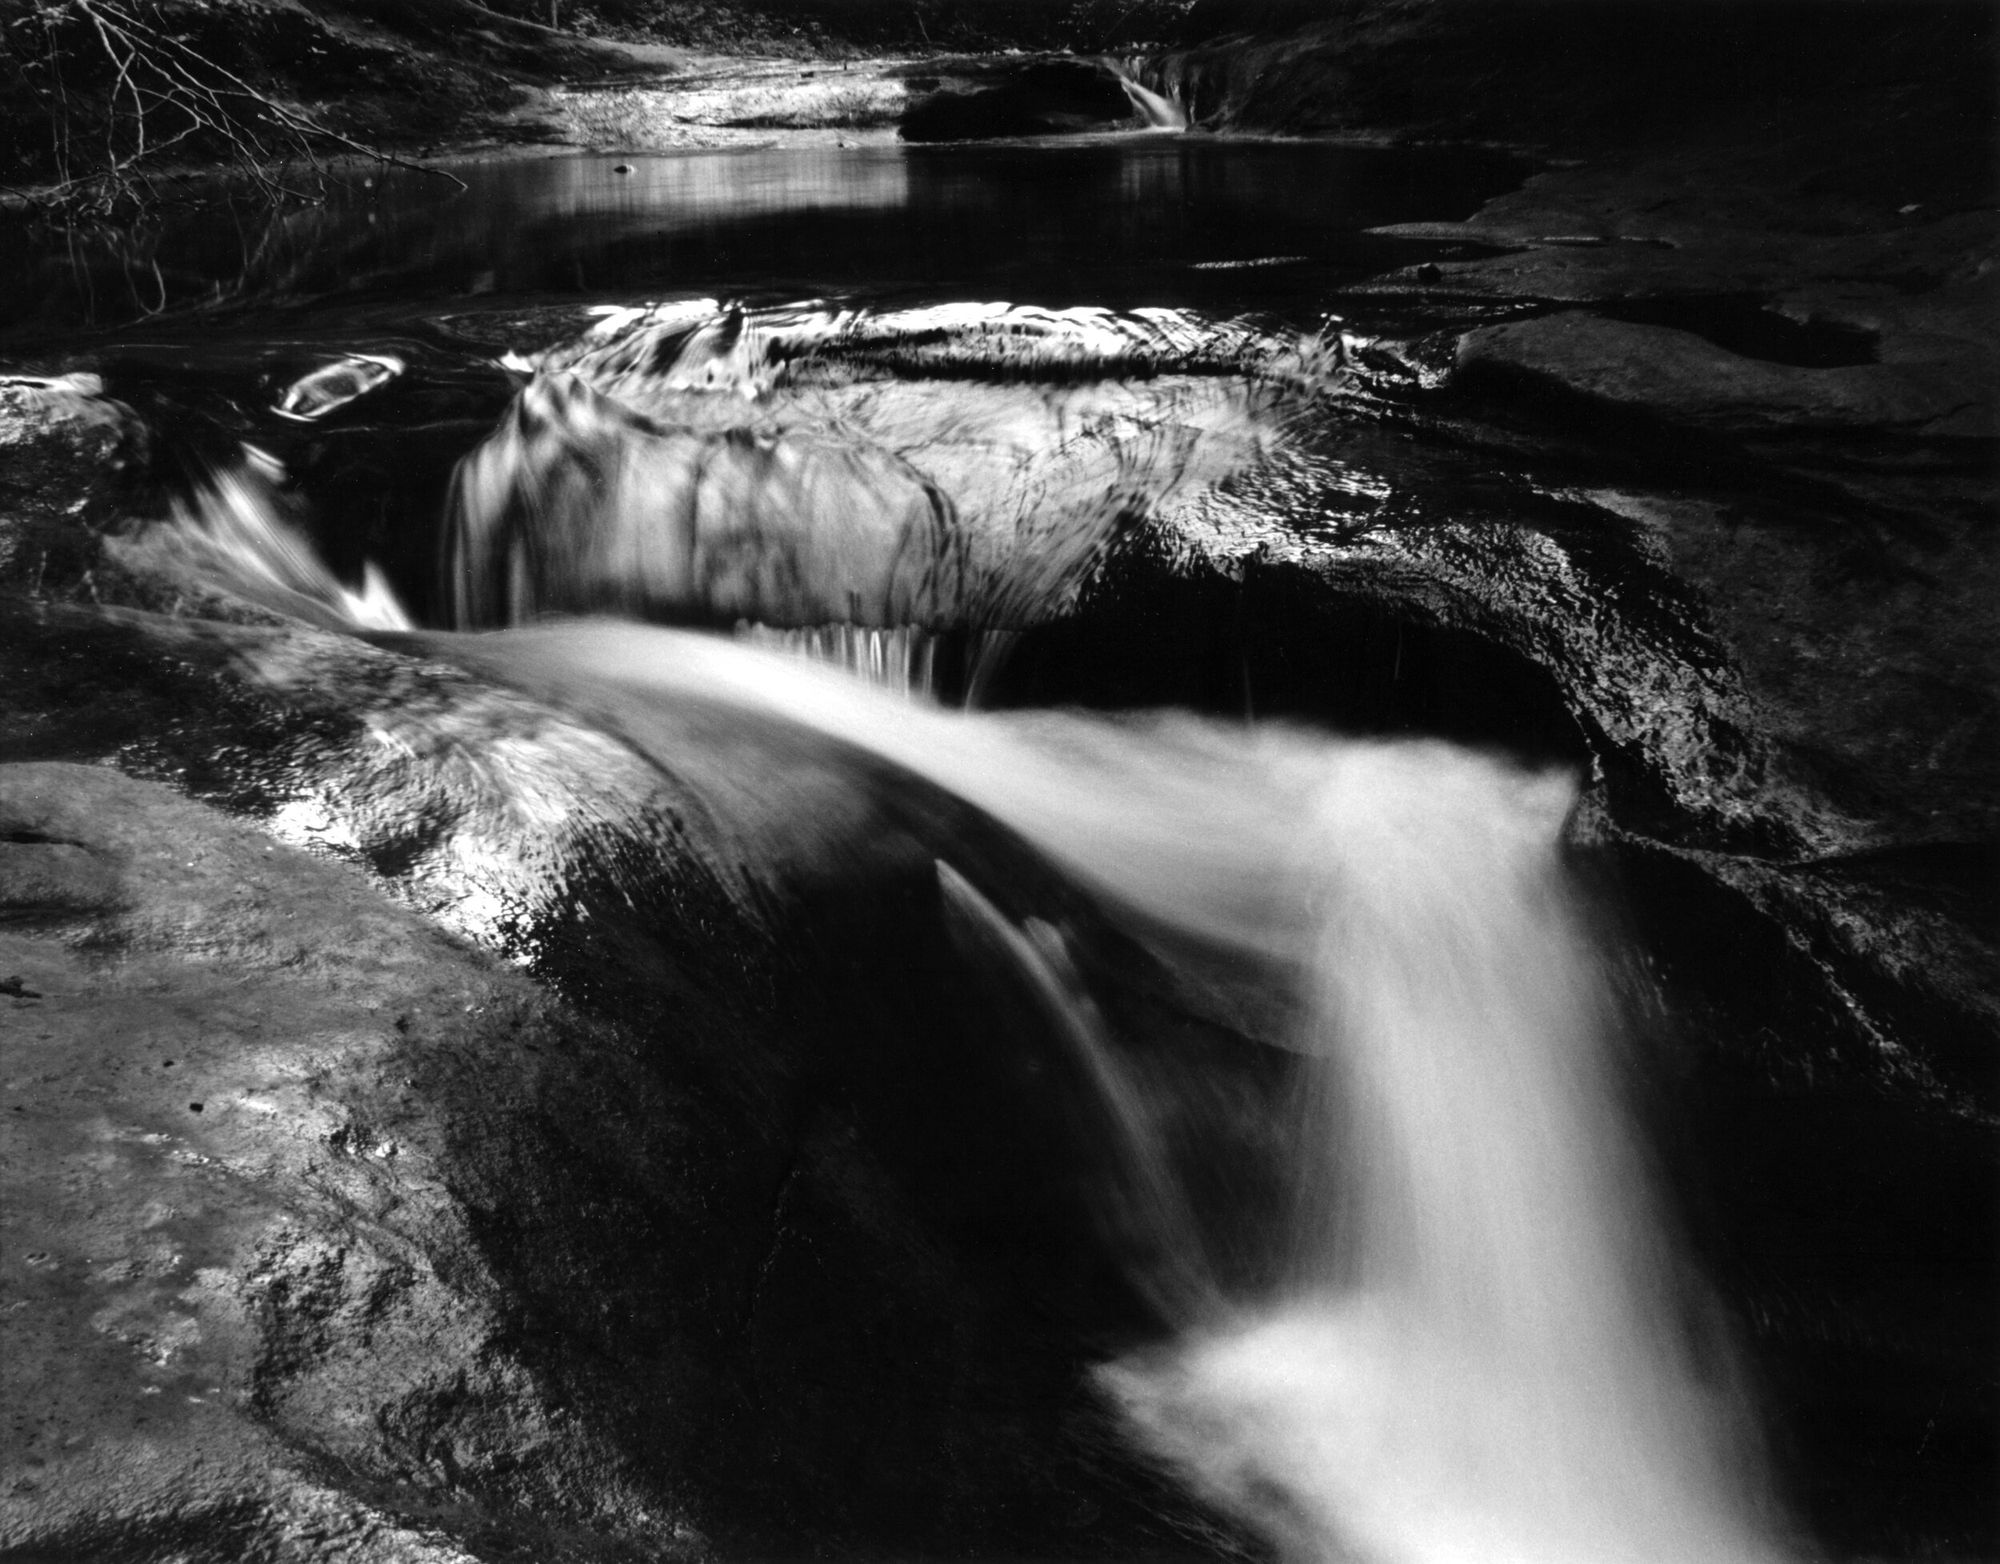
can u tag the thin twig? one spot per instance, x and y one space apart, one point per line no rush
303 126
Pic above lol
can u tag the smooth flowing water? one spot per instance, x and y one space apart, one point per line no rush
1112 221
1472 1339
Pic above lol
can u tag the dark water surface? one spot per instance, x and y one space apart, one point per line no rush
1117 222
400 262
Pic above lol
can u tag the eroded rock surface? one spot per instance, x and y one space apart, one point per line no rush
1684 378
246 1297
334 1238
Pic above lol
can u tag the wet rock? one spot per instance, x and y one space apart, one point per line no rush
1863 647
1024 97
1683 378
748 105
40 878
68 454
1692 221
1802 444
330 1192
234 1248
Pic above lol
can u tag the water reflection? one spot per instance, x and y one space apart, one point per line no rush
1116 221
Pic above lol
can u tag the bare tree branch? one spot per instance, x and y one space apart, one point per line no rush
116 72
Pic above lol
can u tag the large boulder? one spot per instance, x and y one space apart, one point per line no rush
1685 378
249 1311
68 457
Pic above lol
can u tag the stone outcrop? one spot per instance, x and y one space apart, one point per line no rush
246 1291
68 459
333 1237
1684 378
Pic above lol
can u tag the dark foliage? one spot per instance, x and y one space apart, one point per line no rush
902 25
110 97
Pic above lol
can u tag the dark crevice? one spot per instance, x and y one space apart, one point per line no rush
1744 325
39 839
1282 642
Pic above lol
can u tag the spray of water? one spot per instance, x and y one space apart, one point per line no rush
233 533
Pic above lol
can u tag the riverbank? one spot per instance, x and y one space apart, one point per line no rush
144 97
1893 96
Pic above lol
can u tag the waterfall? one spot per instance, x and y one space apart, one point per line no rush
1161 112
1476 1347
1471 1344
961 465
1474 1352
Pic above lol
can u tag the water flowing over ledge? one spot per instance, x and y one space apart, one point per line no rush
1467 1336
963 465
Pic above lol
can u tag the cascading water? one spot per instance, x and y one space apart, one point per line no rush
1470 1342
962 465
1161 111
1473 1352
903 660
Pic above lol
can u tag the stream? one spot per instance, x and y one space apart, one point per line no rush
1052 540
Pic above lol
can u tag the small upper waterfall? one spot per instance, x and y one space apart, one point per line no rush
1162 111
806 467
1471 1343
903 659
